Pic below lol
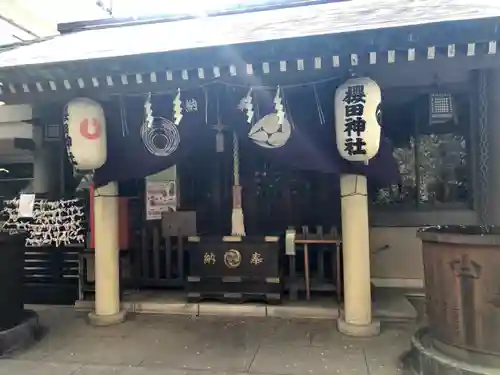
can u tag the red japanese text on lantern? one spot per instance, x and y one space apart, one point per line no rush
90 129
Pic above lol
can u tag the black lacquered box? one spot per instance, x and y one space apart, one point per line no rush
234 268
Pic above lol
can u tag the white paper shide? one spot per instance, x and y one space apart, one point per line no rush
357 119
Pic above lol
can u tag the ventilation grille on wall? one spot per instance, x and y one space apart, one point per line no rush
52 132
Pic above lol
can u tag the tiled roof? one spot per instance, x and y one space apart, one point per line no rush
304 21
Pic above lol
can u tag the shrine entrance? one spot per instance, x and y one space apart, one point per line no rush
275 198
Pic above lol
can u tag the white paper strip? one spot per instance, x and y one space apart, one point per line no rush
317 63
471 49
492 47
26 204
300 64
431 53
336 61
354 59
391 56
451 50
411 54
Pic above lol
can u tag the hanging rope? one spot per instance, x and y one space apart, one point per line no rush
236 160
219 135
321 115
234 85
237 218
123 118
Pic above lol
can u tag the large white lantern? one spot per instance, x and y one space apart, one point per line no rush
357 119
85 132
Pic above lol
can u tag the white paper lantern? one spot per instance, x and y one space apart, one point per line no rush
357 116
85 132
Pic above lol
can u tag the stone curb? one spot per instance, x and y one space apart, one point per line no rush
248 310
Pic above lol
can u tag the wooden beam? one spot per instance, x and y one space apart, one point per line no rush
389 76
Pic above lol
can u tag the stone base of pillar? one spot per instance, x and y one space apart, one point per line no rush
353 330
106 320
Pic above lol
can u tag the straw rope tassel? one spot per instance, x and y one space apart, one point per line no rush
237 218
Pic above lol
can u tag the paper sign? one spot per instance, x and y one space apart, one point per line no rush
160 197
26 204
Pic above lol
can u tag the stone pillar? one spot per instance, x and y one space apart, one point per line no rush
107 280
492 157
356 319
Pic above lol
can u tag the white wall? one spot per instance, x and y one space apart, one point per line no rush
15 113
399 265
15 123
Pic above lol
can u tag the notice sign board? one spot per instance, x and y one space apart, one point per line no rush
160 197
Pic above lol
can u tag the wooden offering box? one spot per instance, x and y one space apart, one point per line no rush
234 269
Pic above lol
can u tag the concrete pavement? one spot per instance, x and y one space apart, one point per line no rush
187 345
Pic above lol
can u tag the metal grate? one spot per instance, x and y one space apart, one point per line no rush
51 275
441 107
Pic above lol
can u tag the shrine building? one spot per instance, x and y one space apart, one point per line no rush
228 121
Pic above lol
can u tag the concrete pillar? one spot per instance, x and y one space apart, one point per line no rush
493 154
356 319
107 281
